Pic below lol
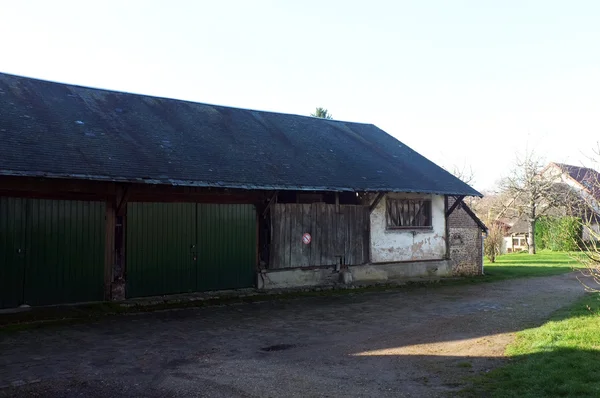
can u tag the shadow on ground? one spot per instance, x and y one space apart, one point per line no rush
414 342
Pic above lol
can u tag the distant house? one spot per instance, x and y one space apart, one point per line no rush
585 183
584 199
107 195
515 238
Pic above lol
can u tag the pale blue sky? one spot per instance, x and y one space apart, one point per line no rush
465 83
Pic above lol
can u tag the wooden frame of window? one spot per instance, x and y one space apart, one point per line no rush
408 214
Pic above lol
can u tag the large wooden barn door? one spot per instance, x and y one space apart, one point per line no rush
338 234
189 247
51 251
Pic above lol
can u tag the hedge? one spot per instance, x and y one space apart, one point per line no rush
558 233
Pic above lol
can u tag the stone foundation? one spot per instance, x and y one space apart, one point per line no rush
356 274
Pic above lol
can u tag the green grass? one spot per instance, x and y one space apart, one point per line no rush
558 359
522 265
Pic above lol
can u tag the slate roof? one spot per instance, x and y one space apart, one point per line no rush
586 177
58 130
519 227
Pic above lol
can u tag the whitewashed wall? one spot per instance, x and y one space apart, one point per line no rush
408 245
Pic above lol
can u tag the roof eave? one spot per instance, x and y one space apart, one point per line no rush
227 185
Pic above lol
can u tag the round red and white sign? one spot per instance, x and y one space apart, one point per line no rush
306 238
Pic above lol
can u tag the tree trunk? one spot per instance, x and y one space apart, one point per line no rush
531 237
531 225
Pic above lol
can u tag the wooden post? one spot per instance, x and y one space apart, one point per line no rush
446 215
109 244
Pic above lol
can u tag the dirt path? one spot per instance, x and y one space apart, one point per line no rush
413 342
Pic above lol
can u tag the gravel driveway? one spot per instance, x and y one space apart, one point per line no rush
409 342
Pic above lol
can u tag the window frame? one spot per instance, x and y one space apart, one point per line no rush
394 201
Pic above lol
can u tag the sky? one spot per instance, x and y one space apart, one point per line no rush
468 84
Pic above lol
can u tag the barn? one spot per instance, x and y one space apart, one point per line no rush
107 195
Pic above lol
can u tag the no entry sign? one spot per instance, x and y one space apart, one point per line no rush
306 238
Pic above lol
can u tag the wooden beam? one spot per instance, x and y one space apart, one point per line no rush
457 201
191 198
380 196
475 218
272 200
56 195
51 187
122 199
109 247
447 228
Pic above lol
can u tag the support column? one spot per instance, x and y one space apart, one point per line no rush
109 244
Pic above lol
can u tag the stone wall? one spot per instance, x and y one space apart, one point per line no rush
466 243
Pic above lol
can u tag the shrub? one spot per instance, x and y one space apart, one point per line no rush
493 242
558 233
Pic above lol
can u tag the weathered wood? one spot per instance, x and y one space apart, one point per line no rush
305 250
285 236
123 194
354 237
109 246
457 201
366 228
338 232
272 200
341 227
317 236
275 259
378 198
331 236
289 220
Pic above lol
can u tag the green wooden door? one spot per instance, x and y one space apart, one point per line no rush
226 246
12 253
161 240
187 247
51 251
64 251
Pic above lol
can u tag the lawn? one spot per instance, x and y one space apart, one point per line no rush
558 359
522 265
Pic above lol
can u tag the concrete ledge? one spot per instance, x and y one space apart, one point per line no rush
297 277
400 271
356 274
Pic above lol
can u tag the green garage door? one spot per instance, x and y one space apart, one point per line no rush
189 247
51 251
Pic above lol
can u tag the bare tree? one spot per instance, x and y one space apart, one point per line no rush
529 193
465 174
492 245
587 208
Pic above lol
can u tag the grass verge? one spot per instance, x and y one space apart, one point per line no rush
523 265
558 359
